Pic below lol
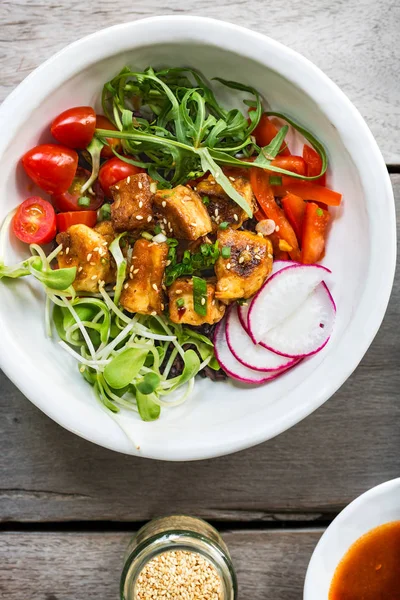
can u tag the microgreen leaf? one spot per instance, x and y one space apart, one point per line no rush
124 367
121 263
148 409
94 149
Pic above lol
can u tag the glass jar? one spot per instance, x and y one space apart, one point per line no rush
177 533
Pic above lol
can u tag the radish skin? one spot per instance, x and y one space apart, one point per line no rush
249 354
232 366
307 330
281 296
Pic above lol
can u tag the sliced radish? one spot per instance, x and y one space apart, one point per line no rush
232 366
281 296
249 354
307 330
243 309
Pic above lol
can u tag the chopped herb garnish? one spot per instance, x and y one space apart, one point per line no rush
200 296
180 302
84 201
105 212
319 212
275 180
224 225
157 229
191 263
147 236
206 200
226 252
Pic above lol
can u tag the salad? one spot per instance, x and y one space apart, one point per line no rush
175 238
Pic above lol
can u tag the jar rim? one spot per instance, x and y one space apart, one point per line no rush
165 539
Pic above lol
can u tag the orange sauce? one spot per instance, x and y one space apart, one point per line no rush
370 570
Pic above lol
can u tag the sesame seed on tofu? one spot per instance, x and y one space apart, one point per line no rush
91 266
184 212
142 292
132 204
248 266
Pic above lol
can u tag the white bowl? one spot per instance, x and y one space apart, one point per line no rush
224 417
376 507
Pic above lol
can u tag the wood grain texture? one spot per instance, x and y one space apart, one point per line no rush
354 41
347 446
270 565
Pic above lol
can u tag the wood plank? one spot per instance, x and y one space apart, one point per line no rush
270 565
346 447
339 37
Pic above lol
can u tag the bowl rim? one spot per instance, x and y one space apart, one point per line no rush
385 488
354 133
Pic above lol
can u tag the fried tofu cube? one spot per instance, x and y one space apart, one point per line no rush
106 229
183 311
87 250
142 293
250 262
221 208
132 206
182 213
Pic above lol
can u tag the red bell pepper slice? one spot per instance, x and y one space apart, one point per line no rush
314 164
259 180
265 133
316 221
294 208
296 164
307 191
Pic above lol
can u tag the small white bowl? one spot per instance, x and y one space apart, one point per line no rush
376 507
220 417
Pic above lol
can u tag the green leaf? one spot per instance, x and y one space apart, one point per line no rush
59 314
124 367
149 384
200 296
148 409
57 279
21 269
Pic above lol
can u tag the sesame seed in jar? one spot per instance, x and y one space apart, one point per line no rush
181 575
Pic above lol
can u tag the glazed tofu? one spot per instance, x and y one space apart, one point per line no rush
249 264
182 213
132 207
183 289
142 293
106 229
221 208
87 250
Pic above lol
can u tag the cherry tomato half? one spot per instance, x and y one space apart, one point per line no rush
103 123
69 200
52 167
75 127
35 221
84 217
115 170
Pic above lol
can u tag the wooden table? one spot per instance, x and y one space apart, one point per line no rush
67 507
